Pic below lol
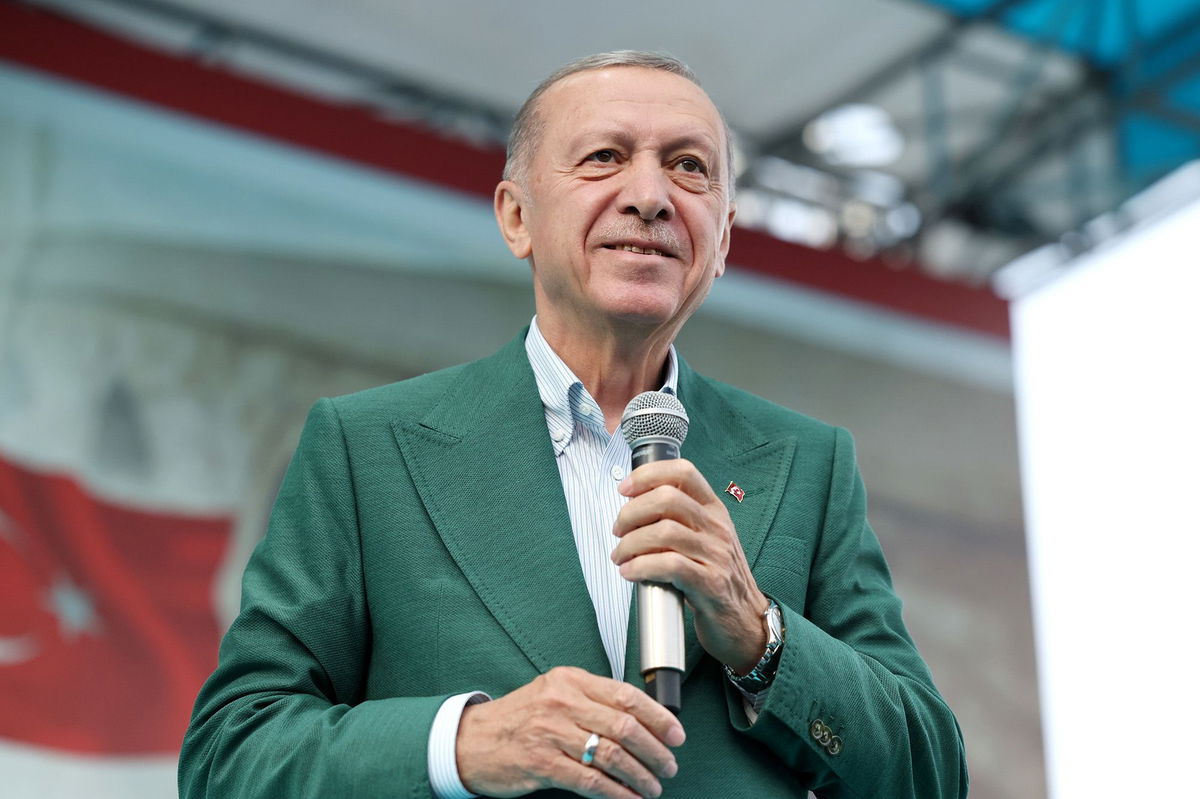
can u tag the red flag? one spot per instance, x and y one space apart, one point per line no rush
107 625
735 490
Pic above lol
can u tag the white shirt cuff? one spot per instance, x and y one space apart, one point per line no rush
751 713
752 703
443 735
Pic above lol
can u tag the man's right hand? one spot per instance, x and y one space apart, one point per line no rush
534 737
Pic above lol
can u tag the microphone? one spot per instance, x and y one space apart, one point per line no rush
654 425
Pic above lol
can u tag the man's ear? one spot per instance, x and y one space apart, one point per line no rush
723 250
509 203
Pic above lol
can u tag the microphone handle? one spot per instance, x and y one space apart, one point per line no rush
660 611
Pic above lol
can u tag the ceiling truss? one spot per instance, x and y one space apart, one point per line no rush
1013 173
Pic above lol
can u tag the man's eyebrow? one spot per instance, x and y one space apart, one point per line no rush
694 141
621 136
599 135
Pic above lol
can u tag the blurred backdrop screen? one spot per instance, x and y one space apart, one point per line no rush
1107 375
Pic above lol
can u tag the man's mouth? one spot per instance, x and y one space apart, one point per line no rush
638 250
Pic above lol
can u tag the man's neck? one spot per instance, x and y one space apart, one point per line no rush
613 368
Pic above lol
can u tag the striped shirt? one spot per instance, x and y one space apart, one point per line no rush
591 463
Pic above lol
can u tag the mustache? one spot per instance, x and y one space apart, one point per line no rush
655 234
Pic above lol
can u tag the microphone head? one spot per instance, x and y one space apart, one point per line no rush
654 414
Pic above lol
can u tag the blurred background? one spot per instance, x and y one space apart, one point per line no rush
213 212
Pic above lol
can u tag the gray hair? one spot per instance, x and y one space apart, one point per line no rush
528 126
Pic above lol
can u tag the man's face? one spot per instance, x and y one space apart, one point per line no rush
625 210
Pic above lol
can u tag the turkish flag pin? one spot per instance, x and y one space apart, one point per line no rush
734 489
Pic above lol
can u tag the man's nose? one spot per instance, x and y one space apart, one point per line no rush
646 191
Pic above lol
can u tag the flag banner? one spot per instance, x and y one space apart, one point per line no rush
107 623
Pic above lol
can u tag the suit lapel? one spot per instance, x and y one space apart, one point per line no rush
483 465
725 447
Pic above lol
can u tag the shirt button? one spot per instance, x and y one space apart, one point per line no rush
558 435
617 472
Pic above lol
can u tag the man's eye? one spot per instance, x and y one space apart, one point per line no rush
602 156
691 165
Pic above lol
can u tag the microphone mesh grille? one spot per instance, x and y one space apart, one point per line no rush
654 413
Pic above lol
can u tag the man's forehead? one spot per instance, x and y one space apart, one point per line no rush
632 84
593 95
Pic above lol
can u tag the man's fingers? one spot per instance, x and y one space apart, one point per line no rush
661 502
618 729
535 737
668 567
615 760
624 697
679 472
664 535
589 781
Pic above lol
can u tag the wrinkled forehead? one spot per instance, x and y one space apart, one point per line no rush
629 92
631 82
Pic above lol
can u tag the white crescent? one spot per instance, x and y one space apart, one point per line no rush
18 649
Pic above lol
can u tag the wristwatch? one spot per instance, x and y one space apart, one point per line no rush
760 677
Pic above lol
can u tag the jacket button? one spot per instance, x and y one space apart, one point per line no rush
834 747
817 730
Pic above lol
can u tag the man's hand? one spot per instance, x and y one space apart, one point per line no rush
675 530
533 738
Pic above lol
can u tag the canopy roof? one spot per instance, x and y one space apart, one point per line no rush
1009 122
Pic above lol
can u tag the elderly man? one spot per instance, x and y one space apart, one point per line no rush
441 606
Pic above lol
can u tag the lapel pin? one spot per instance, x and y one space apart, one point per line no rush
735 490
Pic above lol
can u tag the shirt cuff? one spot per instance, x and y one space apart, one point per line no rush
443 735
751 713
752 703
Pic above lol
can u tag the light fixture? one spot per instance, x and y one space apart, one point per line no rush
856 135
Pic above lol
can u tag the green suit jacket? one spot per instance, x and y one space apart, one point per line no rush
421 547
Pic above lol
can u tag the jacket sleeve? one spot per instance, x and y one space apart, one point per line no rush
284 713
853 706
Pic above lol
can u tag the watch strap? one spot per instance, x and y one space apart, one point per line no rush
760 677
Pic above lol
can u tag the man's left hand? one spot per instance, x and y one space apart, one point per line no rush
675 530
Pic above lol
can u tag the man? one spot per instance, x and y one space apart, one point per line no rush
442 603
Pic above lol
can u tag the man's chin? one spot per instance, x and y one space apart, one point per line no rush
641 305
642 315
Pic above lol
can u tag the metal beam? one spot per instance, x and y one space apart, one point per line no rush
1179 117
1162 83
976 165
215 31
1188 26
934 47
974 115
1068 115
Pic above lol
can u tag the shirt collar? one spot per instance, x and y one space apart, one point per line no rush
564 396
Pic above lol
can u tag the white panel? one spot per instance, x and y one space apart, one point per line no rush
1108 401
